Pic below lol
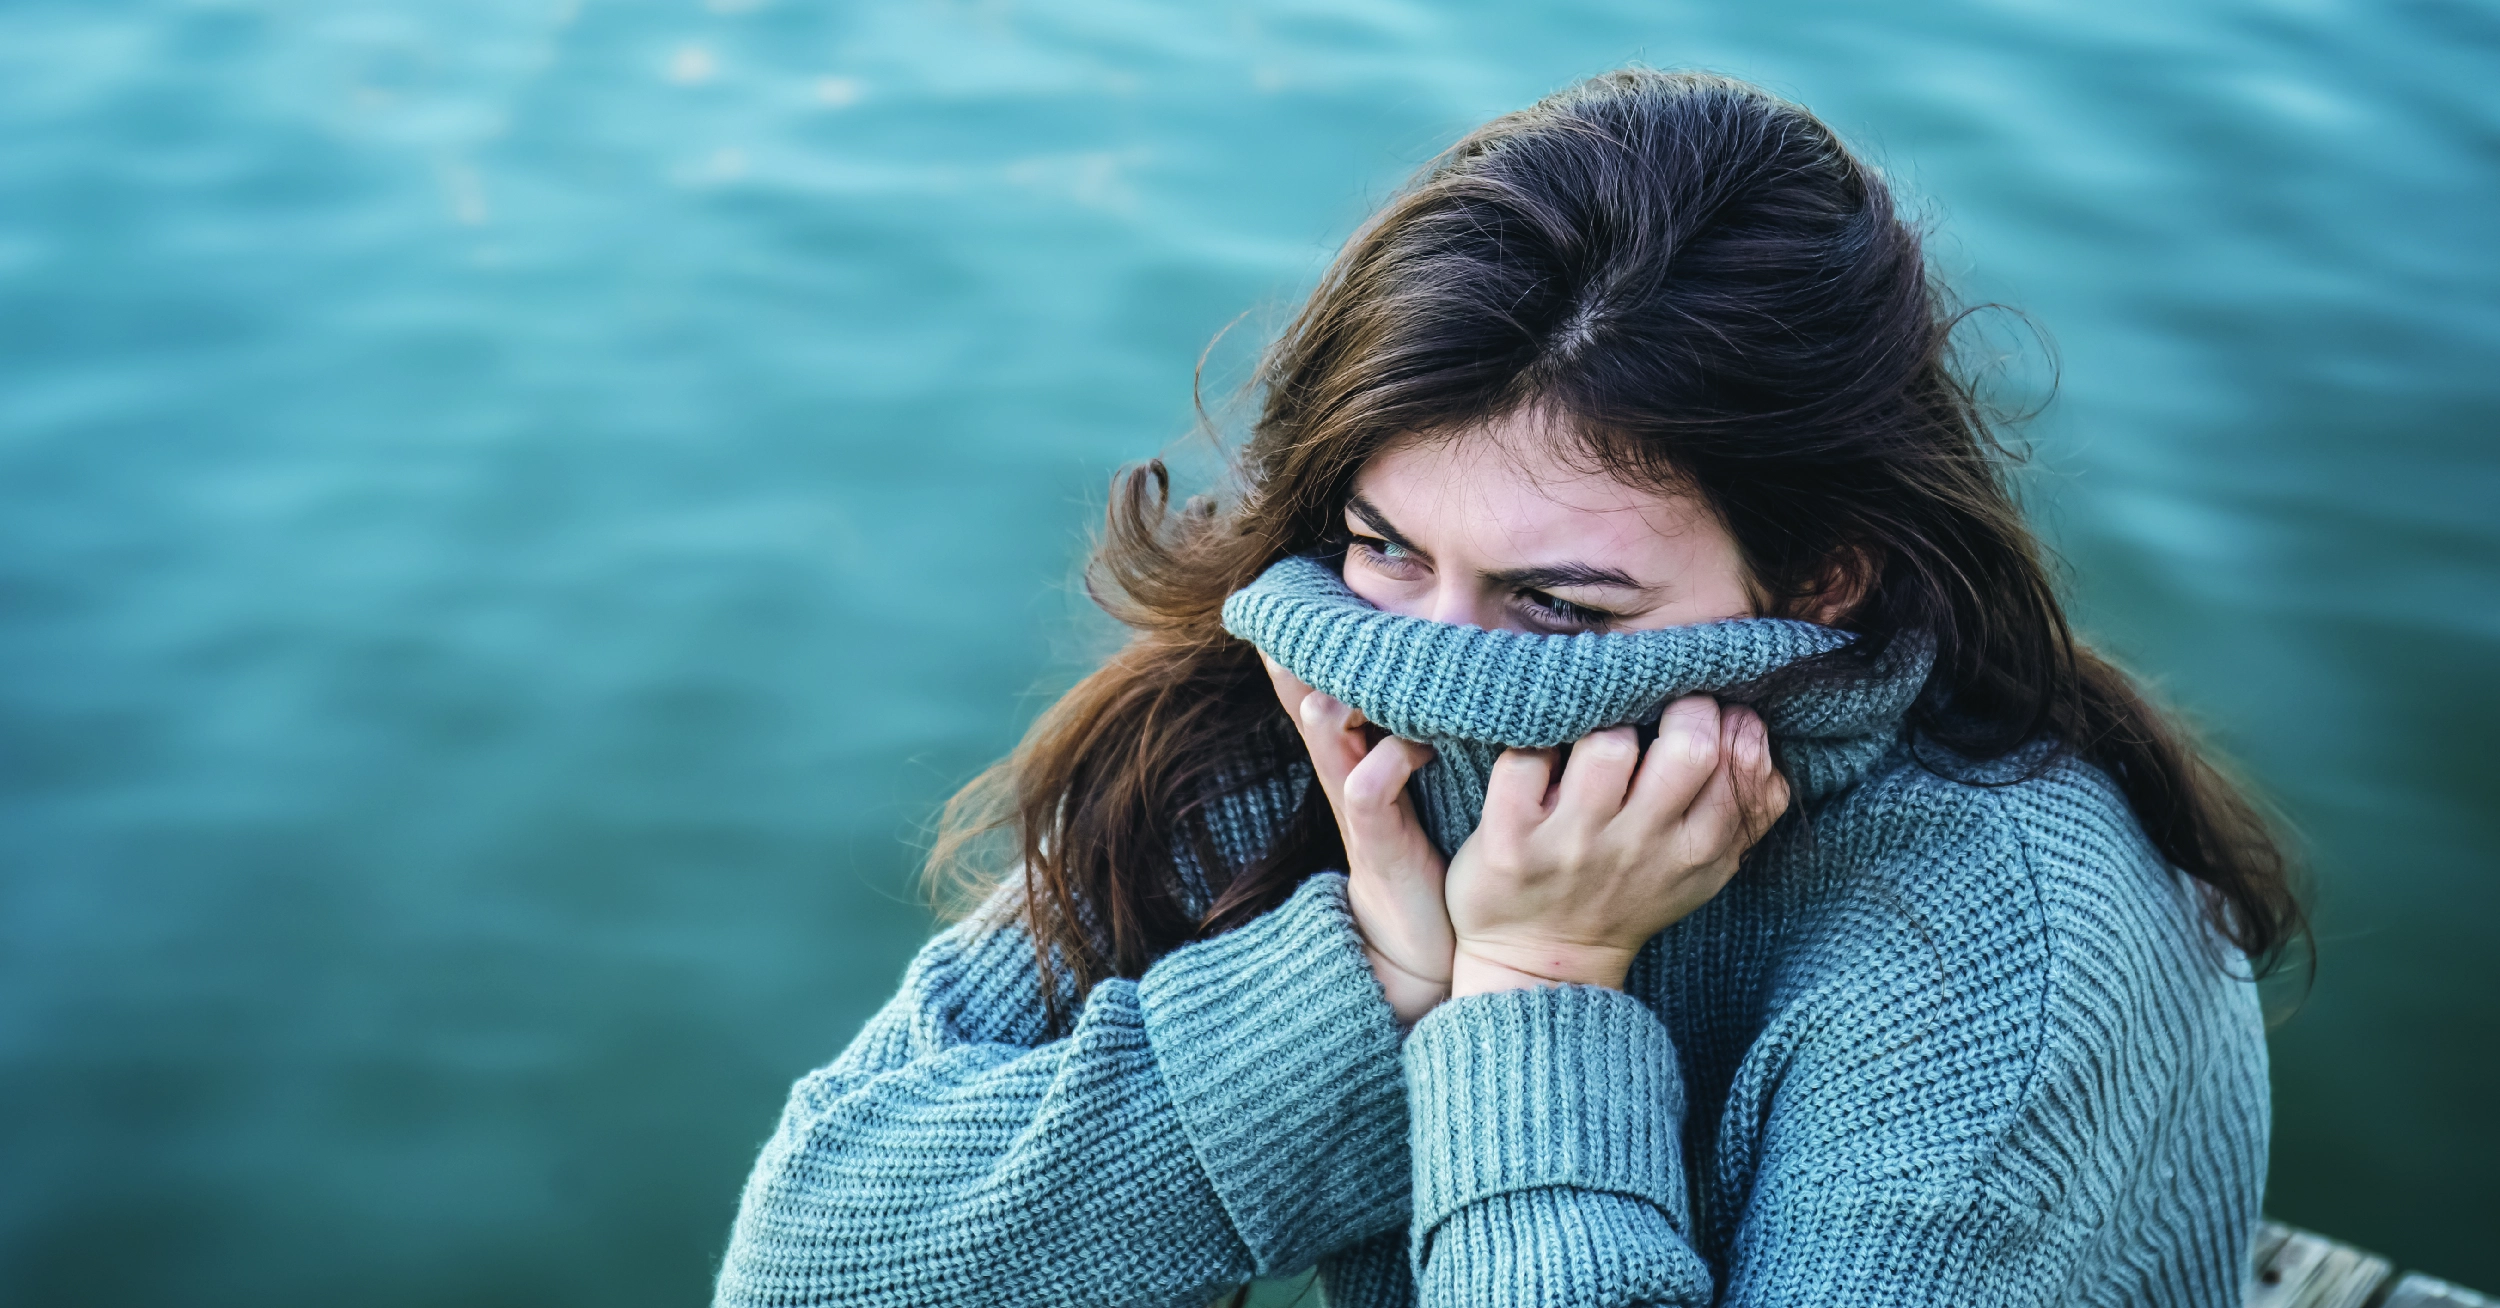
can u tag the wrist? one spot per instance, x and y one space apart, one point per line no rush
1482 967
1410 995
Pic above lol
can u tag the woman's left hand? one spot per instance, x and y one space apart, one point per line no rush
1393 874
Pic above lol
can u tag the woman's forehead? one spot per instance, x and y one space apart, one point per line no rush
1517 487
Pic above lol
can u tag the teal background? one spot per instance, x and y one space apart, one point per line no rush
513 514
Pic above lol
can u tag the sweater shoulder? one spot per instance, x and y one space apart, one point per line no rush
1991 915
1947 843
2020 928
2033 872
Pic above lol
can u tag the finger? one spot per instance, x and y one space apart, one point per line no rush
1377 811
1514 796
1744 798
1316 730
1380 779
1761 792
1679 762
1713 823
1764 812
1599 773
1290 689
1333 733
1293 692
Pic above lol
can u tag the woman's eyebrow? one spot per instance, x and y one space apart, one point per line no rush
1556 575
1376 520
1547 577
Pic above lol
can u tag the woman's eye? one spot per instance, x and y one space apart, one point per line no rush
1555 612
1386 555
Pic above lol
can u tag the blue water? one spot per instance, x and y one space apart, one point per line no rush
512 514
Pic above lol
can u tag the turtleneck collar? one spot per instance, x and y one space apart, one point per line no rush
1471 693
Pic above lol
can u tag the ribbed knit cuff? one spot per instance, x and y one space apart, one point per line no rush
1282 1058
1538 1248
1555 1086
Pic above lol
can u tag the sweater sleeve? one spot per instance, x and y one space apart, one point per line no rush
1548 1167
1237 1112
1549 1171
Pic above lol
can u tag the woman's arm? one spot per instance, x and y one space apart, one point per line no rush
1237 1112
1548 1154
1548 1104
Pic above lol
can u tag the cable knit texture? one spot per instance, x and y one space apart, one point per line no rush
1947 1040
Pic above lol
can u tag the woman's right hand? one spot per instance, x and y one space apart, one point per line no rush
1393 874
1566 879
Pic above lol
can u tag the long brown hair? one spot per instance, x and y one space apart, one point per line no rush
1713 294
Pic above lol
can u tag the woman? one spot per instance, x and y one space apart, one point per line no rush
1610 812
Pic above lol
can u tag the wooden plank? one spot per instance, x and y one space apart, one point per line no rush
2419 1291
2300 1270
2294 1269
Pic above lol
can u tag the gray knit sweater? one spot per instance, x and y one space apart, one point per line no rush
1940 1043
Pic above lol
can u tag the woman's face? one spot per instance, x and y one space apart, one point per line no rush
1498 529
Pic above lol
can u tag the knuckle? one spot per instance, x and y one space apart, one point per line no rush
1370 786
1614 745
